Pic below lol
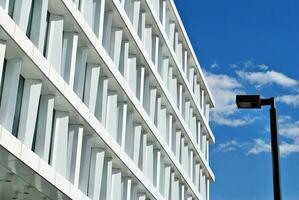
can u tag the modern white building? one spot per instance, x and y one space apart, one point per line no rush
101 100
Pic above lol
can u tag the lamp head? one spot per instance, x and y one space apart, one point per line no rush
248 101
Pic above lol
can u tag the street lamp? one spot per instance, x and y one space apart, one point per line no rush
252 102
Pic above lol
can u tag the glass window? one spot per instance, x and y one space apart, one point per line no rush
2 79
28 31
16 120
11 7
47 34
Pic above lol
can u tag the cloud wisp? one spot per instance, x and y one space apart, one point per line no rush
289 129
224 89
267 78
291 99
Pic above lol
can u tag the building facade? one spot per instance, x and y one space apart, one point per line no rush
101 100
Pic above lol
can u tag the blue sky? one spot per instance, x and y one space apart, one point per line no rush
249 47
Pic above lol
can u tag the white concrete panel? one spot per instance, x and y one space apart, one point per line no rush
111 115
143 155
185 157
76 2
85 162
107 29
187 111
116 185
86 7
174 90
9 93
96 173
2 57
30 102
190 120
191 77
106 180
207 189
182 192
147 40
157 167
162 122
75 137
163 13
44 127
21 13
203 145
152 102
171 34
180 98
69 53
4 4
169 79
185 62
129 134
39 23
129 8
174 187
126 188
164 70
162 175
141 26
140 82
156 4
155 51
124 57
149 162
80 69
207 151
121 123
136 13
102 96
204 189
55 36
91 86
134 191
137 144
197 168
178 140
191 164
59 142
167 182
202 100
132 73
98 25
207 113
115 45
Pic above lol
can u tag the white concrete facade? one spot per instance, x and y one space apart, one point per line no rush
101 100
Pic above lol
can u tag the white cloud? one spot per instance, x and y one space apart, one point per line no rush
263 67
288 128
267 78
289 148
224 89
231 145
285 149
214 65
227 146
249 64
226 120
259 146
292 100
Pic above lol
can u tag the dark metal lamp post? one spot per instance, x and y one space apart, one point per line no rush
254 101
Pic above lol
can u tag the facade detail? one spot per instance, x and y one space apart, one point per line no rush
101 100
